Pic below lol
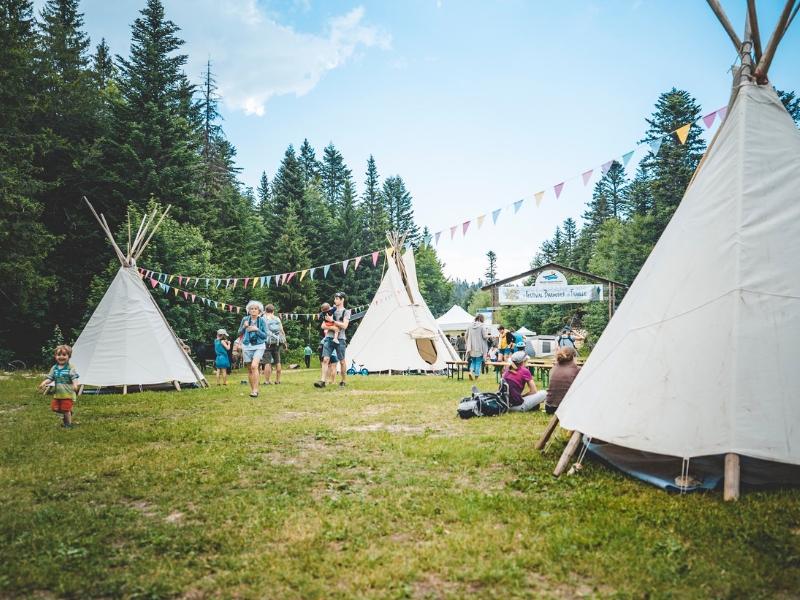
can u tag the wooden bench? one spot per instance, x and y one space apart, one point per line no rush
456 367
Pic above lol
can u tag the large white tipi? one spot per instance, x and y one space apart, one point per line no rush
701 359
399 332
127 341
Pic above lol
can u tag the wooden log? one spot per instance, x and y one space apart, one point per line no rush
775 39
548 431
176 384
80 391
566 456
731 486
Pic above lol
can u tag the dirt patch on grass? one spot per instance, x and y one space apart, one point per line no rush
407 429
568 591
380 392
174 517
144 508
12 410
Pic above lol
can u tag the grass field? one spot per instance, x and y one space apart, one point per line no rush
374 491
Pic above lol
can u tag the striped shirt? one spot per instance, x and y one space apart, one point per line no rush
63 376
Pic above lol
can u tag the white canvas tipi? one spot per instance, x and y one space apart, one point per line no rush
127 341
702 356
399 332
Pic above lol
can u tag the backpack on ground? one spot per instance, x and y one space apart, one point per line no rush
274 332
485 404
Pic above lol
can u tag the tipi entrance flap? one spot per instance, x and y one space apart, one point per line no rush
700 359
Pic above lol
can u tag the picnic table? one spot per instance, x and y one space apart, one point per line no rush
455 368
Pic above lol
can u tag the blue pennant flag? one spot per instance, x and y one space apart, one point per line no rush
427 241
216 305
269 278
626 158
517 204
206 283
165 287
263 279
496 214
325 270
655 145
219 282
311 272
408 245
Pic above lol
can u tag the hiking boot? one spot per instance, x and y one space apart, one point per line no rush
342 384
319 384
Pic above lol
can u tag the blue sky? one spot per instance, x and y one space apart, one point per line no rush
476 104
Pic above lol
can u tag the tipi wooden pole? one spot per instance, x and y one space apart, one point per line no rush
147 241
574 441
753 16
732 472
176 384
775 39
548 431
723 18
125 389
80 391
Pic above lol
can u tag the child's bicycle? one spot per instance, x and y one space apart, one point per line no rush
357 369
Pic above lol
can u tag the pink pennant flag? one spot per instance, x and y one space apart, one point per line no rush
246 281
292 274
587 176
708 120
193 297
466 226
238 308
375 258
453 231
607 167
355 265
230 307
180 280
153 282
234 283
344 265
558 189
186 295
722 112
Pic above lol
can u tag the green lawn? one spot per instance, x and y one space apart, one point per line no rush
374 491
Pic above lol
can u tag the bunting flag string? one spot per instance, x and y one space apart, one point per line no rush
679 135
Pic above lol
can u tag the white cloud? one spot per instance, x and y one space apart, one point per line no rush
254 58
400 63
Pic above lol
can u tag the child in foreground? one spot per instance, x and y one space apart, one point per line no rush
63 375
327 320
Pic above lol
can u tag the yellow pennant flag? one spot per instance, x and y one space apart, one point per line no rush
223 306
303 274
480 220
175 290
539 198
683 133
171 277
389 252
255 281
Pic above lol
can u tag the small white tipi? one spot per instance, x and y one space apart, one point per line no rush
127 341
399 332
701 359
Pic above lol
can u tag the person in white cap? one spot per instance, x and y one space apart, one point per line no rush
222 362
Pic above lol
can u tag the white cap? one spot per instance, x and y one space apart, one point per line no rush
222 332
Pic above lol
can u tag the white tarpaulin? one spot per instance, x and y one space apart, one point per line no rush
127 340
550 294
702 356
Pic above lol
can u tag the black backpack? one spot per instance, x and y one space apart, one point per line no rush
485 404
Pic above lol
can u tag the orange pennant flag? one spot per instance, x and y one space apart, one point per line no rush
480 220
683 133
389 252
539 198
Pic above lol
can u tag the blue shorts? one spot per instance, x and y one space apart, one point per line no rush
251 354
328 347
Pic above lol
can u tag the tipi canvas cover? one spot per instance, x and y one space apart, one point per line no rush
455 319
702 356
399 332
128 342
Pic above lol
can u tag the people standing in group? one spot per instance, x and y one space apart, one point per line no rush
522 393
65 384
461 346
307 352
340 320
222 362
253 330
476 346
567 339
564 372
276 339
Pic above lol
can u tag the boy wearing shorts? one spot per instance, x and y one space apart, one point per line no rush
65 381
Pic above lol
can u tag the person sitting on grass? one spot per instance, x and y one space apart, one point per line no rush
522 394
65 380
563 374
222 363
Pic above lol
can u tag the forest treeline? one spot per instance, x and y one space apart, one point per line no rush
132 132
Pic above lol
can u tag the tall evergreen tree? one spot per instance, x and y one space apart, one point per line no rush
792 104
309 164
491 270
375 218
334 174
400 212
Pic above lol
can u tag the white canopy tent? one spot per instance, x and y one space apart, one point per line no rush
701 357
455 319
525 332
399 332
127 341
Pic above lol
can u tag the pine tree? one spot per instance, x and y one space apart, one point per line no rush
309 164
334 174
375 221
400 212
791 103
491 270
290 254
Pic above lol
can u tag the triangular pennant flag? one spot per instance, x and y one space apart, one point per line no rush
453 231
355 265
465 226
480 221
375 258
227 283
215 304
303 274
311 272
539 197
708 120
180 280
655 146
389 252
517 204
193 297
263 279
246 281
268 279
683 133
223 306
195 281
175 290
438 233
427 241
165 287
292 274
344 265
219 282
234 283
230 307
558 189
586 176
153 282
238 308
722 112
325 270
607 167
186 295
408 245
206 283
626 158
171 277
496 214
255 282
